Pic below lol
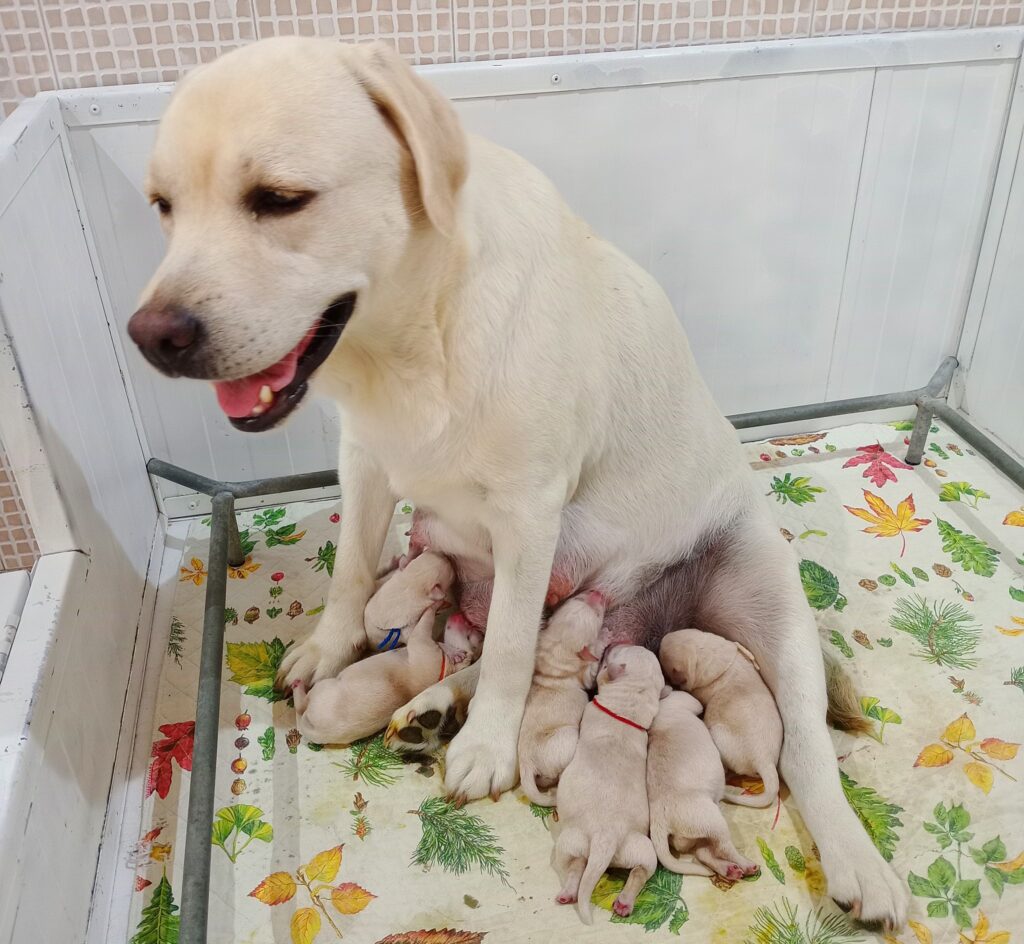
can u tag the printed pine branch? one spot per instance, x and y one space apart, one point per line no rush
1016 677
372 762
945 631
780 925
456 840
176 640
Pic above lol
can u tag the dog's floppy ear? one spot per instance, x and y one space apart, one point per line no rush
425 120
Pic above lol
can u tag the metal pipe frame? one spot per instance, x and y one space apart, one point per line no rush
225 549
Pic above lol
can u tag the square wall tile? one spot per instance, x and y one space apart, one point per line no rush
505 29
117 42
421 30
837 17
25 64
999 13
684 22
18 548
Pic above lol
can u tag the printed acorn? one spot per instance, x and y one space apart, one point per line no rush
243 721
868 584
292 739
238 786
942 570
930 463
238 765
252 614
241 742
295 609
788 535
954 448
941 473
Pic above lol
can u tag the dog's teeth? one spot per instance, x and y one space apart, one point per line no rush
266 395
257 410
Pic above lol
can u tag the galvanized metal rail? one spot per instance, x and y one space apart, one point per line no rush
225 549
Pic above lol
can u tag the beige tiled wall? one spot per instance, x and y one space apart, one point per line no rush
18 549
46 44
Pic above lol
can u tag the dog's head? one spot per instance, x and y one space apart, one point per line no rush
291 177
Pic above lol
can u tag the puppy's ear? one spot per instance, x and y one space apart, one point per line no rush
403 562
426 122
437 592
586 655
666 691
616 670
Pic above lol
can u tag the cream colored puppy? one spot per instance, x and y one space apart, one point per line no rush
602 794
568 654
403 595
685 781
739 711
363 697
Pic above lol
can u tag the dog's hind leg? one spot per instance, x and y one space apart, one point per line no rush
636 849
752 595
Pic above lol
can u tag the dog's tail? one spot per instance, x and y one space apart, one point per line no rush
528 781
770 778
668 859
600 857
843 705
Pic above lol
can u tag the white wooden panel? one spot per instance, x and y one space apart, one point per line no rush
994 387
929 162
815 226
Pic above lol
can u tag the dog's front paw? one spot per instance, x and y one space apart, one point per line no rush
482 759
313 660
864 884
422 725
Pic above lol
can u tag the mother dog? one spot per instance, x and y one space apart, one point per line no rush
495 362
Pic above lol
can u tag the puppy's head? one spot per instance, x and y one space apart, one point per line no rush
631 666
291 177
691 658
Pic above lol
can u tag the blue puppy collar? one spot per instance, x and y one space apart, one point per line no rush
390 641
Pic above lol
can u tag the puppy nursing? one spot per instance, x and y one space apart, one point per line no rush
602 795
568 654
739 710
685 781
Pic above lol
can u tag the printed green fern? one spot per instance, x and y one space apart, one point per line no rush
159 923
945 630
176 640
456 840
970 552
796 489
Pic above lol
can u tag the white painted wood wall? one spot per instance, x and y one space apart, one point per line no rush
813 209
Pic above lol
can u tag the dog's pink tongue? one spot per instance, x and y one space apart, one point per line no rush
238 397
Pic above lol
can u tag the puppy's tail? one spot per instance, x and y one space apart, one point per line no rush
528 781
668 859
600 857
770 778
843 705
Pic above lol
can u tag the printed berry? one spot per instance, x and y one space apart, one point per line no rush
238 765
241 743
277 577
930 463
765 457
238 786
335 518
243 721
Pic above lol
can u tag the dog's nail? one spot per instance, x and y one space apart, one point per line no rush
495 794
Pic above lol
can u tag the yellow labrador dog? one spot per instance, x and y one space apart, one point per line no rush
514 375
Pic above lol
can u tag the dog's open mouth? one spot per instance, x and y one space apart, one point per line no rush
261 401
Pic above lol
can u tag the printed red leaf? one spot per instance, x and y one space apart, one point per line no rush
878 463
176 744
141 883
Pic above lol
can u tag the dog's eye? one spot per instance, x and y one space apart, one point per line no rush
162 204
264 202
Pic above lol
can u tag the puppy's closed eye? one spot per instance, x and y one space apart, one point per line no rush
267 201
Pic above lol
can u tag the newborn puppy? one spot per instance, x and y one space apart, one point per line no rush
685 781
568 654
360 701
403 595
739 710
602 795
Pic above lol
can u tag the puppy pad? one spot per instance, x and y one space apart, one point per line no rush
916 578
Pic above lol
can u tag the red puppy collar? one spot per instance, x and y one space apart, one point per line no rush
612 714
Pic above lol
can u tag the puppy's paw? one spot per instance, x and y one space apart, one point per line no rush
482 759
622 909
422 725
864 884
315 659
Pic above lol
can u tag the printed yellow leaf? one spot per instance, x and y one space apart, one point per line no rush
980 775
324 866
1000 750
981 935
923 935
1015 518
750 786
160 851
275 889
197 574
350 898
959 731
1012 865
305 926
247 567
1019 621
934 755
886 523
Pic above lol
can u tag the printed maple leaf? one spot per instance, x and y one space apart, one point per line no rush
175 745
436 936
197 573
886 523
878 464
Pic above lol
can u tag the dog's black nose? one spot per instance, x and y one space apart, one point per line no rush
166 335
